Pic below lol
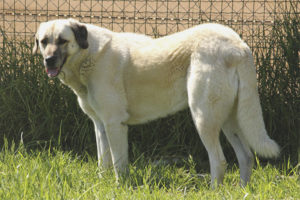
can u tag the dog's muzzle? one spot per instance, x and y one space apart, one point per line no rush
52 67
50 61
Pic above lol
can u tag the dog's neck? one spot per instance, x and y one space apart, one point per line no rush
79 66
71 73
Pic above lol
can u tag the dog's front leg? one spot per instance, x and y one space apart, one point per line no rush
108 101
113 138
103 149
117 136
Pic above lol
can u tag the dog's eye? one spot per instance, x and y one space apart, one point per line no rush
61 41
44 41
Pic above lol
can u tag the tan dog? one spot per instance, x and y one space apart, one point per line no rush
126 78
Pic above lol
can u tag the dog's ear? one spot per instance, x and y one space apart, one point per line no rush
36 45
81 34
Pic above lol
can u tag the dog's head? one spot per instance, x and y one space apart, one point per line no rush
58 40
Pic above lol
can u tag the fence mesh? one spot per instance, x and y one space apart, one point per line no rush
19 19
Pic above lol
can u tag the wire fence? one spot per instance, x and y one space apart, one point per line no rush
19 19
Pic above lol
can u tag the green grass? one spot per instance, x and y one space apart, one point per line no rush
62 175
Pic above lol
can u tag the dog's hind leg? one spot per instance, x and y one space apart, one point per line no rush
210 138
210 100
241 148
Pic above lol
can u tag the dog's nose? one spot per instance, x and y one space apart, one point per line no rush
50 60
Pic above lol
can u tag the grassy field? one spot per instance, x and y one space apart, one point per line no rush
57 174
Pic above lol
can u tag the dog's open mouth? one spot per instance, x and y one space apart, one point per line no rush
53 72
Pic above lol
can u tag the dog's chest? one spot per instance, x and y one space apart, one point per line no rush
74 81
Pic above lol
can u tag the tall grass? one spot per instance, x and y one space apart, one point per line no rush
279 82
45 113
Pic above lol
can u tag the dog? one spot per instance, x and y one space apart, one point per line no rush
123 79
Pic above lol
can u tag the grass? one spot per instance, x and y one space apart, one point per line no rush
56 174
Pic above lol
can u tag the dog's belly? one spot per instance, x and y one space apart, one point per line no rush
147 102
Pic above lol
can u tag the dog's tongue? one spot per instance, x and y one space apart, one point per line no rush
52 72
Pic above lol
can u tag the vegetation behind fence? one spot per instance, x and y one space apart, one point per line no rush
152 17
42 111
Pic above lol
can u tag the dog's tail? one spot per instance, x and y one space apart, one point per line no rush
249 113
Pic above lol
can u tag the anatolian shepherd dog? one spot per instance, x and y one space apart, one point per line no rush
126 78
